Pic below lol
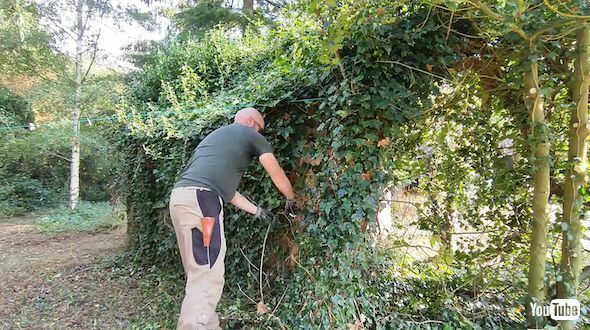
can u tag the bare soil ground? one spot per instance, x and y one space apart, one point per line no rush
63 281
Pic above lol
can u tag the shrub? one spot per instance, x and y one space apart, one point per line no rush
14 110
40 160
20 194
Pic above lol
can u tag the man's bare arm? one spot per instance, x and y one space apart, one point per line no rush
277 175
243 204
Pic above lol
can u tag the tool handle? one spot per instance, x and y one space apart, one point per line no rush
207 228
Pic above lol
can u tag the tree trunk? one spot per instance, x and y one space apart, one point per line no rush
571 257
248 6
75 161
538 251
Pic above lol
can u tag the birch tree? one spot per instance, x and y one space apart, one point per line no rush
82 31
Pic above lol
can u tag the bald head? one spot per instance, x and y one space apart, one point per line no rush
250 117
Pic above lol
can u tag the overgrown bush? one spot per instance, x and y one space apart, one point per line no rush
14 110
339 119
20 194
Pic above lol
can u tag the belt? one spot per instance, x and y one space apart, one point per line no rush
202 189
194 188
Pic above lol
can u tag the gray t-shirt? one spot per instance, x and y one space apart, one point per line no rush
220 160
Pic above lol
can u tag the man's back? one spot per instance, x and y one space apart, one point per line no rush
221 158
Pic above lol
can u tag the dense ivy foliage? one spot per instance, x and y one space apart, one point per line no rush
474 169
344 91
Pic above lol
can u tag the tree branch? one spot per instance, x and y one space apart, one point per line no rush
488 11
57 24
274 4
555 10
417 69
95 48
88 15
552 25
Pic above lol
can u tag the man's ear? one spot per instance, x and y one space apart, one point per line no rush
250 122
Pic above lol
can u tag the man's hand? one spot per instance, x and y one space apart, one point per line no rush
291 208
263 215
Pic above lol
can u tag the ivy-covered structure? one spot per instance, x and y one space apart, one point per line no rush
350 94
329 119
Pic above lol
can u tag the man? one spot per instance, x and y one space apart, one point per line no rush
209 180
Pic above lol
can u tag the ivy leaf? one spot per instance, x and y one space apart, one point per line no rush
564 226
342 113
337 300
434 239
452 4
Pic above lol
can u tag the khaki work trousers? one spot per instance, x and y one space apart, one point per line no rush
204 282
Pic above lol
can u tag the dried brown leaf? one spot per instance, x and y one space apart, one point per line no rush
261 308
383 142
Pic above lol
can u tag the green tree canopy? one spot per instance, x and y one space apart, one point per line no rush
24 45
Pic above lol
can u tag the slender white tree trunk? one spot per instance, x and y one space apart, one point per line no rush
75 163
